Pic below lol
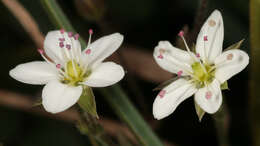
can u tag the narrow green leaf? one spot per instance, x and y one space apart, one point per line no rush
200 112
235 46
224 86
114 95
87 101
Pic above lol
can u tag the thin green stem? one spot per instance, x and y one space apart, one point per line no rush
221 120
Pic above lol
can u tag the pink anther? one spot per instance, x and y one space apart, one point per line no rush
160 56
179 73
61 44
62 31
76 36
58 66
181 33
162 93
205 38
88 51
70 34
68 46
62 39
90 31
41 51
198 55
208 95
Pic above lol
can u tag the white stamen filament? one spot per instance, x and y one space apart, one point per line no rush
194 58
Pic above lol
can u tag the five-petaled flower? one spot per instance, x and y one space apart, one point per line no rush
67 69
200 73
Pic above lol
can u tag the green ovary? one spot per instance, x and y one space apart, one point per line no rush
203 74
75 73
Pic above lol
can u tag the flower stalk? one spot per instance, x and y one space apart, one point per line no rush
221 121
89 126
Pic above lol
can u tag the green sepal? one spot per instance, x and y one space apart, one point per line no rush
200 112
235 46
37 103
87 101
224 86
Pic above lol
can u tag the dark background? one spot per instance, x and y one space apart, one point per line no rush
143 23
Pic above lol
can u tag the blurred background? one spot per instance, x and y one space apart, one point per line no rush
143 23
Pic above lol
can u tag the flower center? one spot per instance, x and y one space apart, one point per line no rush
74 73
203 74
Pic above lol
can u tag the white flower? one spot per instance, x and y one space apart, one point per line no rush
201 73
66 69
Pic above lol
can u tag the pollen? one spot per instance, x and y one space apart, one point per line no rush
88 51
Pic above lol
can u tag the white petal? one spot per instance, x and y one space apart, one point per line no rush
230 63
57 97
37 72
105 74
213 29
52 45
175 93
209 98
102 48
172 59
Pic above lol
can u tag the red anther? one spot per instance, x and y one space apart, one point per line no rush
62 39
70 34
41 51
68 46
179 73
181 33
162 93
90 31
61 44
58 66
205 38
160 56
76 36
62 31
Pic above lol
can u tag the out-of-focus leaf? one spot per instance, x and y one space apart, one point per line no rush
128 113
255 70
92 10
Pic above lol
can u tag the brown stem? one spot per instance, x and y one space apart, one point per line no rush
26 20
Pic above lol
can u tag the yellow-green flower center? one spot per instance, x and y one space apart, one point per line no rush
203 74
74 73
